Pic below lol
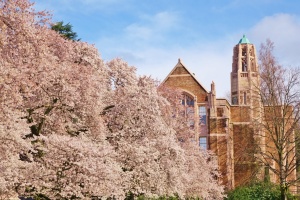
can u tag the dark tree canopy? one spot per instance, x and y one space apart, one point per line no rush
65 30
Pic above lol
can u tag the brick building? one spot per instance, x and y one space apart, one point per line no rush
226 128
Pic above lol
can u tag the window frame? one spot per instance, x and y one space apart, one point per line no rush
203 144
202 115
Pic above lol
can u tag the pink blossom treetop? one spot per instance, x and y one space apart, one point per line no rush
74 126
156 150
51 130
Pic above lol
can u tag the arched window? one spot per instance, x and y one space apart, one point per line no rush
187 100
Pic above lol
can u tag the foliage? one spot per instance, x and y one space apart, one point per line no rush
52 138
152 158
258 190
198 183
130 196
74 127
159 198
65 30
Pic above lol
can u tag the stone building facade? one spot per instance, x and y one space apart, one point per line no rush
224 127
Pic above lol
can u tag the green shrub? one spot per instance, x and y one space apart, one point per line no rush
159 198
131 196
259 190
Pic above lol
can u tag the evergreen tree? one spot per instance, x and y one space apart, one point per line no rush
65 30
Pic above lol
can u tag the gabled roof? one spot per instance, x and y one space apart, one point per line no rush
180 64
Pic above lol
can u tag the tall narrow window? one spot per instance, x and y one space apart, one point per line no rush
244 67
202 115
203 142
253 68
244 51
245 98
234 101
189 112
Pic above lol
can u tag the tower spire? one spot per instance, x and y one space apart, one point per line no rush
244 40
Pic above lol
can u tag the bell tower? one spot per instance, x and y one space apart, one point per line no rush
244 74
246 104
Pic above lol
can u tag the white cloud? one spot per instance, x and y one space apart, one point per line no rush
151 26
154 42
209 60
164 19
138 31
284 31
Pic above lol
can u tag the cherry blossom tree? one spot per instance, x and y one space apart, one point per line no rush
154 147
201 169
51 99
147 148
72 126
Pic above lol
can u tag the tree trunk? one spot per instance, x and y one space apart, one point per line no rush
283 191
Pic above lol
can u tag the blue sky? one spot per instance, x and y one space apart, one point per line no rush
152 34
